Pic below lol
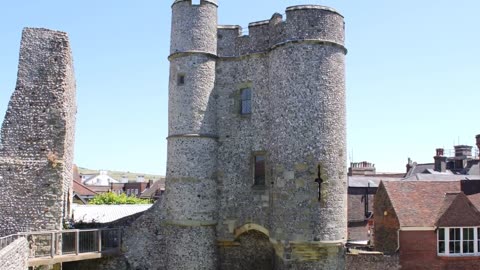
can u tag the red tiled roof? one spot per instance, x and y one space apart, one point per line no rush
458 211
151 192
475 199
82 190
418 203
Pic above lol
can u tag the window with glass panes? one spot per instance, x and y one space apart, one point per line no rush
454 241
467 240
246 101
441 240
458 241
259 170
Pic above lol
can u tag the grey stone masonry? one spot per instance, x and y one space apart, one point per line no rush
275 96
294 69
191 187
37 136
15 255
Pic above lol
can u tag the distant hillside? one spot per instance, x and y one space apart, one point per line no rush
132 176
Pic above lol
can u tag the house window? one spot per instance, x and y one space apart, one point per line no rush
246 101
259 170
454 242
458 241
441 241
467 241
478 239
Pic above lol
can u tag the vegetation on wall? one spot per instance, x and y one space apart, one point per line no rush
113 198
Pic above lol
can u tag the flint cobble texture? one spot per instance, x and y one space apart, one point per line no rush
213 216
15 255
37 136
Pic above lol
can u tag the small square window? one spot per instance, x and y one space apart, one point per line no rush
259 170
181 79
246 101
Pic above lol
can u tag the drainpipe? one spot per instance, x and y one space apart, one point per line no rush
398 240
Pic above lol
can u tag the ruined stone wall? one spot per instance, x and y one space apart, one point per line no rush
37 136
15 255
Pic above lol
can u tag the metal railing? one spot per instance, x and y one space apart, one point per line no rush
72 242
7 240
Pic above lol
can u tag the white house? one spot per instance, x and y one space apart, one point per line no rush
101 179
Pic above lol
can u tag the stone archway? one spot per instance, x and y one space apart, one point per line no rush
252 250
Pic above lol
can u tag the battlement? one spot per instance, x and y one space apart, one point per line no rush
305 22
197 2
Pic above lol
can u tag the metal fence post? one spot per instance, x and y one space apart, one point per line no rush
77 242
99 236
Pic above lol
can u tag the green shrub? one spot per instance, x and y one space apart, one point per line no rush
114 198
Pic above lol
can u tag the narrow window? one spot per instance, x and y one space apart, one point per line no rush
467 240
454 243
478 239
181 79
246 101
259 170
441 241
196 2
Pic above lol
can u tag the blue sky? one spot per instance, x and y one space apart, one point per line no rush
413 74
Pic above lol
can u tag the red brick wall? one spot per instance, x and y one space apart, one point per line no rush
418 251
386 223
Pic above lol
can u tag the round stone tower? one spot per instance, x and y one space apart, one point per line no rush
308 146
191 198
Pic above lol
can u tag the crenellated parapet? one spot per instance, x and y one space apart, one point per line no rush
305 23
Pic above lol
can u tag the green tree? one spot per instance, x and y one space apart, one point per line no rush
114 198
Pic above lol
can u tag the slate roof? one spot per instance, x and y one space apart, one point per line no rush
418 203
473 167
106 213
437 177
363 181
420 168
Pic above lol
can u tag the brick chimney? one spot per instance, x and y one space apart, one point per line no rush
440 161
361 168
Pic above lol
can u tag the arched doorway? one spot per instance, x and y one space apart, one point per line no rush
253 250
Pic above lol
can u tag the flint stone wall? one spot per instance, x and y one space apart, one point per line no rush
37 136
296 71
15 255
372 262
